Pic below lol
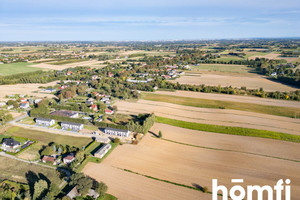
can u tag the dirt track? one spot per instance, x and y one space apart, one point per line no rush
187 165
213 116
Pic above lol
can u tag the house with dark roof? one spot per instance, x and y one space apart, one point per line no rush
117 132
10 143
71 125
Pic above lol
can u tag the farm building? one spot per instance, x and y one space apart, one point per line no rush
71 125
117 132
10 143
44 122
65 113
102 151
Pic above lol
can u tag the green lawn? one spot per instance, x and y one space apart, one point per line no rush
229 58
45 138
222 68
230 130
16 68
107 197
207 103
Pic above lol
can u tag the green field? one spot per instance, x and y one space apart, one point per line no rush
206 103
15 170
256 54
229 58
222 68
16 68
44 138
230 130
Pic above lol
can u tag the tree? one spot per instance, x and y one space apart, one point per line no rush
101 188
160 134
39 189
117 140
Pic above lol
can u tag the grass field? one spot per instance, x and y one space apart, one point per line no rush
221 68
205 103
16 68
230 130
44 138
16 170
229 58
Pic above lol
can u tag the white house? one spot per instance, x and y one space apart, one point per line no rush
102 151
117 132
2 104
44 122
24 105
68 159
71 125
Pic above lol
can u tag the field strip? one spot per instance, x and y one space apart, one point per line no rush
228 150
207 111
232 98
193 118
218 104
230 130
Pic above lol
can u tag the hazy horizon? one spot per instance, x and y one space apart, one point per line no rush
147 21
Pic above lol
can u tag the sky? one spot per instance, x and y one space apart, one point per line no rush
140 20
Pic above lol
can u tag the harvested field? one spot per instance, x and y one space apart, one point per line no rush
226 80
274 56
223 117
221 68
29 89
234 98
217 104
191 165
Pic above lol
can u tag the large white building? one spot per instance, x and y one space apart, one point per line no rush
117 132
102 151
71 125
44 122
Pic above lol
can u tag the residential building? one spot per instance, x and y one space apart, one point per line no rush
117 132
2 104
71 125
109 112
102 151
24 105
50 159
69 158
44 122
10 143
94 107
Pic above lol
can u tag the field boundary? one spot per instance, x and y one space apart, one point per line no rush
230 130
